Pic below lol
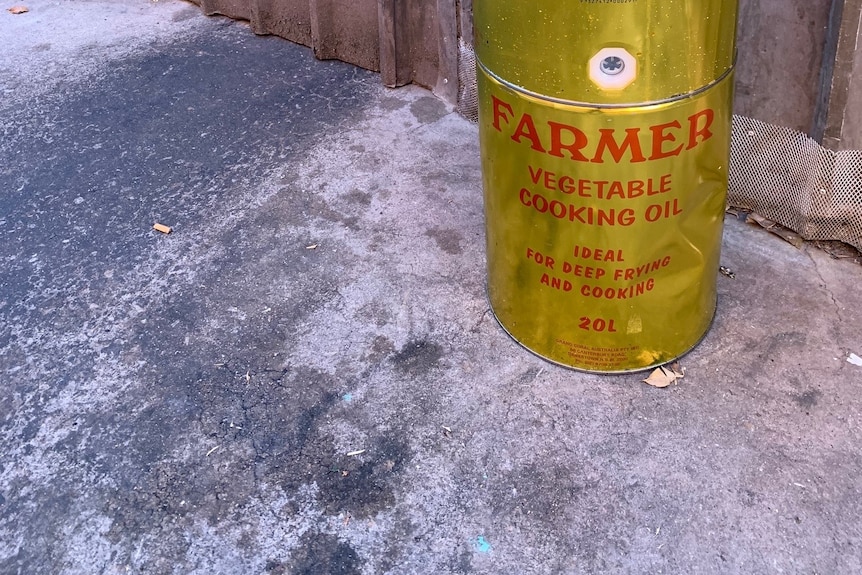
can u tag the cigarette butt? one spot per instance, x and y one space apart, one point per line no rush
162 228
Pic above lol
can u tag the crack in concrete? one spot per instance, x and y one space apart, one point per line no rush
835 303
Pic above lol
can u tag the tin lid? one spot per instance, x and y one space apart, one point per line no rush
606 52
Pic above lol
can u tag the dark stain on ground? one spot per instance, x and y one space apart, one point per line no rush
186 14
299 208
534 495
462 564
391 104
748 497
447 240
528 376
109 164
274 567
808 400
364 485
264 425
321 554
529 494
418 357
192 434
359 197
428 109
381 346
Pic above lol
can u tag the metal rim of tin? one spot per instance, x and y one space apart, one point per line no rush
595 371
577 104
556 47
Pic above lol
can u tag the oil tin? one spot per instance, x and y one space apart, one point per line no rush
605 137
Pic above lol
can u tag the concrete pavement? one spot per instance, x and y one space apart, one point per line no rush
304 377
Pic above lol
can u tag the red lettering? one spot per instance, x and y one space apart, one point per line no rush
499 106
567 185
665 184
578 143
558 209
609 145
698 133
536 174
527 129
660 135
616 191
607 142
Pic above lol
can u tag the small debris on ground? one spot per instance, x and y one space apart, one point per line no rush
737 213
725 271
162 228
836 249
18 9
664 376
787 235
855 360
312 247
357 452
482 545
840 251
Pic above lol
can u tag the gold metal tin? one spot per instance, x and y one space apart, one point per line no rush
604 216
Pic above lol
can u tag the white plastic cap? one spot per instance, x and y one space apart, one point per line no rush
613 68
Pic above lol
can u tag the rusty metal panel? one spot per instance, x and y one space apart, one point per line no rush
441 32
336 29
230 8
408 41
852 128
419 44
395 67
289 20
842 85
780 58
346 30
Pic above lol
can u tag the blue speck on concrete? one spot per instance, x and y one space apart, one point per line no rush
348 397
482 545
